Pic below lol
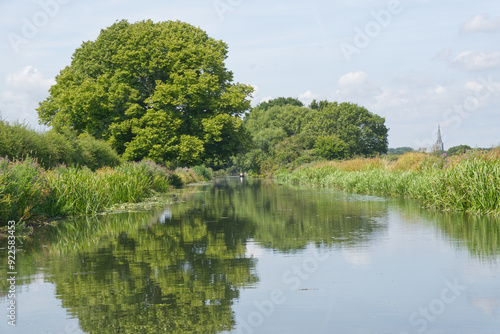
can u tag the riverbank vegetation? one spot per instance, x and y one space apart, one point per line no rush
466 183
30 192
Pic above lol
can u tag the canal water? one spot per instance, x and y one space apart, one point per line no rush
252 256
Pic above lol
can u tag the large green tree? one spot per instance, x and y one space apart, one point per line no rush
157 90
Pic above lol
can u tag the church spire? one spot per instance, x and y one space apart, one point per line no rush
439 142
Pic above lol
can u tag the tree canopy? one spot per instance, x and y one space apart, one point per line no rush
284 131
152 90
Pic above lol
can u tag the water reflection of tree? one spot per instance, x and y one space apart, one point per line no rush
177 277
123 274
289 218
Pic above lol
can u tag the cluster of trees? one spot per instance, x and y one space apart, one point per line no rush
283 131
162 91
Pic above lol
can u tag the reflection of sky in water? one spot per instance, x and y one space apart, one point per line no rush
166 215
375 286
38 310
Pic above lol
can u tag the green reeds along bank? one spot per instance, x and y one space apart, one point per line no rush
469 183
28 191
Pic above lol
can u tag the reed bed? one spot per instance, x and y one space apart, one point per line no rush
29 191
468 183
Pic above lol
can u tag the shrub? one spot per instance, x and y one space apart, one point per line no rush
50 149
23 190
458 150
188 175
96 153
206 173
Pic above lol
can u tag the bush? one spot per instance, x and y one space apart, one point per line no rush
27 190
206 173
188 175
469 183
96 153
23 190
18 141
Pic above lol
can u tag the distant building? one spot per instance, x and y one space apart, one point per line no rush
439 146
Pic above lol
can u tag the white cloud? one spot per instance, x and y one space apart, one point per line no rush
266 99
24 89
307 97
483 86
476 61
480 23
255 91
356 87
253 250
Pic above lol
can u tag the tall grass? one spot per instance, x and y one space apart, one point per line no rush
29 191
469 183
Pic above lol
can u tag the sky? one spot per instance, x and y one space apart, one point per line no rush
417 63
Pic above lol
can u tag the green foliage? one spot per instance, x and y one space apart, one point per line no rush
23 190
205 172
188 175
284 132
18 141
364 132
458 150
28 191
331 147
280 102
153 90
95 153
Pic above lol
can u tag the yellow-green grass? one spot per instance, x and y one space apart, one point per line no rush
468 183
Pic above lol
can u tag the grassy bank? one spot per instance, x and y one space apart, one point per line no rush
467 183
31 192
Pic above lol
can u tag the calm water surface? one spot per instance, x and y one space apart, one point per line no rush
251 256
